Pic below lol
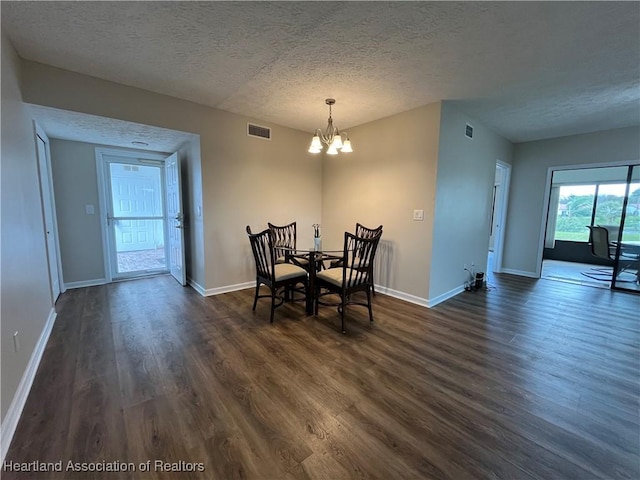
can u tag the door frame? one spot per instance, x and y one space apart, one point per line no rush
502 202
100 152
45 176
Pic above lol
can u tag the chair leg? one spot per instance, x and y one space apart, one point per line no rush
273 304
255 300
342 309
316 299
369 304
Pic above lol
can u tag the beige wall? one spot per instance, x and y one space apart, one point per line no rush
532 160
244 180
462 222
25 290
391 172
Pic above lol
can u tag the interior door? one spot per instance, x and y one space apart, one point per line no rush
46 192
175 219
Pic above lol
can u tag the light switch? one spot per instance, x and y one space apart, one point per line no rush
418 215
89 209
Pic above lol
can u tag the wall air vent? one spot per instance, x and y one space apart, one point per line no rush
258 131
468 131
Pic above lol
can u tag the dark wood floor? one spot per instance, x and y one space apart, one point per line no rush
530 380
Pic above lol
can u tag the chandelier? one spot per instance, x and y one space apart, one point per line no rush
331 137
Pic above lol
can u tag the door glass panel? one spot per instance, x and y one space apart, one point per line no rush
135 190
628 254
609 207
137 222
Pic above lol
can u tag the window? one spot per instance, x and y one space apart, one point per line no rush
575 209
596 204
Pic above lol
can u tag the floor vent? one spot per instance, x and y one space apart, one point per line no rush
468 131
258 131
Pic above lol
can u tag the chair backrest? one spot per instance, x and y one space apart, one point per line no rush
283 237
362 231
358 251
365 232
263 253
600 242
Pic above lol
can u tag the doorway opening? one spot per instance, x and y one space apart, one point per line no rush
592 234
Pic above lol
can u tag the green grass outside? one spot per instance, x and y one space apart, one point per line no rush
584 237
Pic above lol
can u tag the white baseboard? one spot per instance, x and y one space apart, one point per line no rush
229 288
445 296
402 296
424 302
196 286
520 273
207 292
10 423
85 283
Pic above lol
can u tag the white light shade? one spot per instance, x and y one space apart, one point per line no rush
314 150
315 143
337 141
346 147
332 150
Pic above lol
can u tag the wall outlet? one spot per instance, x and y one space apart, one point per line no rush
418 215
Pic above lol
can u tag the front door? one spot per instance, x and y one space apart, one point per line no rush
175 219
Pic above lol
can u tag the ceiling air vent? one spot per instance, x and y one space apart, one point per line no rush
468 131
258 131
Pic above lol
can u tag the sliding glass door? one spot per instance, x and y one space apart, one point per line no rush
627 241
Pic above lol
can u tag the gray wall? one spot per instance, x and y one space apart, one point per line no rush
73 168
464 187
24 283
526 199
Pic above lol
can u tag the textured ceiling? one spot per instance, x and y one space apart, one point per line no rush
528 70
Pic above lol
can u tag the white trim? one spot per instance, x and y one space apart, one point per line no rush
196 286
86 283
498 241
423 302
229 288
445 296
14 412
520 273
407 297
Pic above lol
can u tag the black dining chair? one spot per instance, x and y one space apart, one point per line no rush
603 248
349 278
285 240
275 276
366 232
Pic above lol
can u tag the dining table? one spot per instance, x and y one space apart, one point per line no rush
316 258
630 252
